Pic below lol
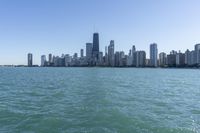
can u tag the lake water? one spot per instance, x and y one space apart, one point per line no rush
99 100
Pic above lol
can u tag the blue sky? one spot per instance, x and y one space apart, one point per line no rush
64 26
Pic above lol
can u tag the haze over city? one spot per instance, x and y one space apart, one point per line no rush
60 27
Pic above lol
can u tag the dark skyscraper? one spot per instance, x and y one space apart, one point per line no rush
30 59
88 51
95 49
82 53
50 58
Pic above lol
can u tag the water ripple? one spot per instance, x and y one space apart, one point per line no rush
87 100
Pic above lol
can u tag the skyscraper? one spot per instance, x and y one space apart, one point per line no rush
89 51
67 60
140 58
130 53
82 53
197 52
117 58
133 55
153 55
171 59
187 57
129 58
50 58
100 62
111 54
30 59
95 48
193 58
133 49
121 58
180 59
106 56
162 59
43 60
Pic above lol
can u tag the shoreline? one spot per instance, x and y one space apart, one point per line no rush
10 66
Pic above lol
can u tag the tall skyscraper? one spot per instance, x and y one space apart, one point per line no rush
50 58
82 53
153 55
117 58
43 60
89 51
133 55
106 56
30 59
95 48
121 58
111 53
133 49
197 52
187 57
130 53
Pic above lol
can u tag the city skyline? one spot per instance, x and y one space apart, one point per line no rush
43 27
113 58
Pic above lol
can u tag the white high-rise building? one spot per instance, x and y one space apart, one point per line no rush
153 55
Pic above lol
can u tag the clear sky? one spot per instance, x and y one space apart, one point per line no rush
64 26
